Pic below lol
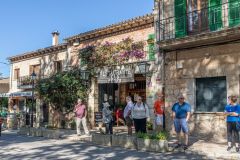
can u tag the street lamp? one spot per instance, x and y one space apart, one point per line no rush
33 77
143 67
84 75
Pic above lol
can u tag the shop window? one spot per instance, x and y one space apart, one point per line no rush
211 94
16 73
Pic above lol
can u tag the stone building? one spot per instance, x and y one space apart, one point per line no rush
58 57
43 62
112 90
199 44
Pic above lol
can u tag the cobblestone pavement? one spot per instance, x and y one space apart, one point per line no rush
13 146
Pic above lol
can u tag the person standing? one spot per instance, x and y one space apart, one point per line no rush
107 118
140 115
127 114
181 115
158 111
81 114
232 111
1 122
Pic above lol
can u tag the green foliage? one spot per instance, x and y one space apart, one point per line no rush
3 104
149 126
63 89
163 135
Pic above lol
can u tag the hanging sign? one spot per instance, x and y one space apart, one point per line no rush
118 74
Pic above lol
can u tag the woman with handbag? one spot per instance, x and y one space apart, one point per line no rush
232 111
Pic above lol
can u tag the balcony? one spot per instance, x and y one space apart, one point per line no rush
25 82
215 24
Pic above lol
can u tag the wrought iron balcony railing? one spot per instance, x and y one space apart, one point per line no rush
194 22
25 82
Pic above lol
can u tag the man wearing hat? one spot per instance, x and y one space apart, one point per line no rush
181 114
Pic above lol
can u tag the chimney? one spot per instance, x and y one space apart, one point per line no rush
55 35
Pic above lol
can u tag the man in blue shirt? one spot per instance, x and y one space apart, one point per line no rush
232 111
181 114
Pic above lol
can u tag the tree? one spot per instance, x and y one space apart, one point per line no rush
61 91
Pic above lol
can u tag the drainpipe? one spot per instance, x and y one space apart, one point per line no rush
158 30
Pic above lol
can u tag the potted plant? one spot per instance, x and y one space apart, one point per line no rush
153 142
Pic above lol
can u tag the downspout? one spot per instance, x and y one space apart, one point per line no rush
160 34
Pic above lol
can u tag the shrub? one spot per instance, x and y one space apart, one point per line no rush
163 135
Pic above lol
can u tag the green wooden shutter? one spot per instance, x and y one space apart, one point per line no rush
180 18
151 47
234 12
215 14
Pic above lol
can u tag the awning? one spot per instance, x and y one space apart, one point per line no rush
16 94
4 94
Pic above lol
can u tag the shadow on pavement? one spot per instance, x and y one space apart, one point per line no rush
14 146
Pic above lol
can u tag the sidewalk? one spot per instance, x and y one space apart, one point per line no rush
198 146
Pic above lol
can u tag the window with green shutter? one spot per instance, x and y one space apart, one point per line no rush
215 15
151 47
234 12
180 18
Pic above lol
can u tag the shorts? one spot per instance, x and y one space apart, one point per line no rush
129 121
181 124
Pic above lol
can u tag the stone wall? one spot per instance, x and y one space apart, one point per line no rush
183 67
138 35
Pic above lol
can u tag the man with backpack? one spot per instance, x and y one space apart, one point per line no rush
140 114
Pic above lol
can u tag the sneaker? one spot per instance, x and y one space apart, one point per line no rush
185 147
237 149
87 134
229 148
79 134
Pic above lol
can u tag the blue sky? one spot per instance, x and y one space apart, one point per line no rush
26 25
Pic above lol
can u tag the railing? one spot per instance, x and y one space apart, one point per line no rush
25 82
194 22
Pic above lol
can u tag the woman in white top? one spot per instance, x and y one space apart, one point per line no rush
140 113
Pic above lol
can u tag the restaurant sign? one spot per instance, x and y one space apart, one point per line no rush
117 74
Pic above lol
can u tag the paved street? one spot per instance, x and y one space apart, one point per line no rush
13 146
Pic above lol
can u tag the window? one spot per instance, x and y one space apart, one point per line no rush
234 12
35 68
16 73
197 15
211 94
215 15
58 66
180 18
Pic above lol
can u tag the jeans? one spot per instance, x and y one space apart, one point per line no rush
232 132
109 127
84 123
140 125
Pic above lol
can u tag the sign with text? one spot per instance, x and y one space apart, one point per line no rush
119 74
